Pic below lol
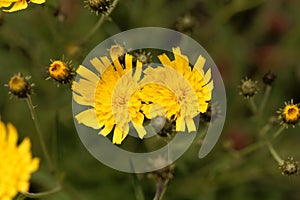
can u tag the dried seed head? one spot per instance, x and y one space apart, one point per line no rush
248 88
186 24
99 6
269 78
143 56
289 167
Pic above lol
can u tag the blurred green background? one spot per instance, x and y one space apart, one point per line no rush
245 38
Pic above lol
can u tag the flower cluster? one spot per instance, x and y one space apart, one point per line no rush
117 94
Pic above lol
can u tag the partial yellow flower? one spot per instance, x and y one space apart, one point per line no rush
181 91
17 4
16 164
113 97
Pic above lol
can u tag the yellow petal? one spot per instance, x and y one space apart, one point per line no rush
34 164
99 66
88 118
140 129
24 147
38 1
107 129
83 101
200 64
182 62
138 71
2 132
118 66
180 126
203 107
190 124
105 61
210 86
12 135
87 74
164 59
5 3
20 5
128 62
84 88
207 76
119 135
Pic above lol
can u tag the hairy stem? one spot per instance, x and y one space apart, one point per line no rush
40 134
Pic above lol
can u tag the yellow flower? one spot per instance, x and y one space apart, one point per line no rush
290 114
17 4
20 86
16 164
61 72
112 96
180 91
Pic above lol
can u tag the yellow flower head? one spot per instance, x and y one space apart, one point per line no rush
20 86
112 95
17 5
61 72
290 114
16 164
181 91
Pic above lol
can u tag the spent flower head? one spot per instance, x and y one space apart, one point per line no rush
248 87
61 71
16 164
99 6
269 78
20 86
186 24
289 114
143 56
289 167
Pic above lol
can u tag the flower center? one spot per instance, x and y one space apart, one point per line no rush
17 84
122 101
58 70
292 113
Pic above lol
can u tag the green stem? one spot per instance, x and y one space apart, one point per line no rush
99 23
253 106
249 149
161 190
42 194
139 194
264 130
275 154
39 133
265 98
278 132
